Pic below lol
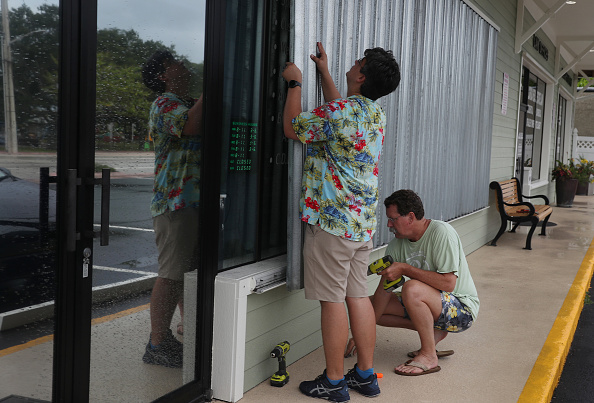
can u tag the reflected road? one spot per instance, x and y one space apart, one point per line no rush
131 254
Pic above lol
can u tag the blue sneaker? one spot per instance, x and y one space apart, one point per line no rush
366 386
169 353
323 389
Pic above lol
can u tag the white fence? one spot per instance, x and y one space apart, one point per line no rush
583 147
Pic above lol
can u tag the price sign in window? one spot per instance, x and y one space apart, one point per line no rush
243 145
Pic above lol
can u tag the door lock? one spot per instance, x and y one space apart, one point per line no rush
86 260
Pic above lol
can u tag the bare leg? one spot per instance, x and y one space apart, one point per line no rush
180 325
164 298
363 329
392 315
438 335
423 304
388 312
335 331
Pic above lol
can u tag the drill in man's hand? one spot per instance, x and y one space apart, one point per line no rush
381 264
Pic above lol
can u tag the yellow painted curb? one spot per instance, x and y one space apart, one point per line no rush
547 369
24 346
50 337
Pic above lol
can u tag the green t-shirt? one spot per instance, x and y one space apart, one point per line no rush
439 250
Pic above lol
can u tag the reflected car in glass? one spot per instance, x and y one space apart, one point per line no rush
27 242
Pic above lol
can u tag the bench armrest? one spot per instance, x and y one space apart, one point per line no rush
546 199
529 205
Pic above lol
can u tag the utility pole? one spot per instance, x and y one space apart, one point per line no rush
10 131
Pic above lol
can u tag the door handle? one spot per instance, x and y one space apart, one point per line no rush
71 183
104 181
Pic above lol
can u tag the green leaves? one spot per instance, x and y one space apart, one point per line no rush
122 100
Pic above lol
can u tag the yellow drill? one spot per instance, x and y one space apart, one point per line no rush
280 377
381 264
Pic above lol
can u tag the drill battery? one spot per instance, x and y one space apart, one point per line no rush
381 264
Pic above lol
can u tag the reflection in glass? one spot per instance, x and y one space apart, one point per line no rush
534 96
560 134
241 120
254 156
28 195
124 272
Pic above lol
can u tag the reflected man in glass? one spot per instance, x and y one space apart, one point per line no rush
175 127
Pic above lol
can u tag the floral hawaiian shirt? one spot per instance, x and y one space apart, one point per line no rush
177 157
344 138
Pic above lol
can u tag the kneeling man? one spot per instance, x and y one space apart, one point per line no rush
440 295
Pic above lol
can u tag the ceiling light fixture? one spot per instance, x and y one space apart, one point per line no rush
570 2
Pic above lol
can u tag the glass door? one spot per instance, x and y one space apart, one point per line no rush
78 254
530 133
560 129
531 119
28 196
149 80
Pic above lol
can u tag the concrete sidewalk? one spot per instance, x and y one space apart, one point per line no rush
530 305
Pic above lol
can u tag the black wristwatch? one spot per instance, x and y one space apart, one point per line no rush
294 83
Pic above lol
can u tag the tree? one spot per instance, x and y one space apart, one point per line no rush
34 42
583 82
121 97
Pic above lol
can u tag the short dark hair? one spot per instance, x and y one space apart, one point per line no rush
153 68
406 201
382 73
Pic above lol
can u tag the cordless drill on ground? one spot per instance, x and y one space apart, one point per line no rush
381 264
280 377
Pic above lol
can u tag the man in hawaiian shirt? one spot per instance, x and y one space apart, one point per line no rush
339 197
174 125
440 296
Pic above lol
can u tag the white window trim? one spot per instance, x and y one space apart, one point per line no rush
538 183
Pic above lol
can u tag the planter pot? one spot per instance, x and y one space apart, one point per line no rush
582 189
565 190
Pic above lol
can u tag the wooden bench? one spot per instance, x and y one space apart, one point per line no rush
512 207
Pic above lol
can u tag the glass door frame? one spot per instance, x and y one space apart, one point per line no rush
76 120
76 156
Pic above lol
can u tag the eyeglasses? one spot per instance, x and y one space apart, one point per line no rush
393 220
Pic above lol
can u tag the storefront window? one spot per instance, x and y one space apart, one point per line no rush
254 157
533 96
559 138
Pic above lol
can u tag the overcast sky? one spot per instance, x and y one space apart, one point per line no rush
180 22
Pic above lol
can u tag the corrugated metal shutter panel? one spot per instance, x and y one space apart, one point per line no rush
438 137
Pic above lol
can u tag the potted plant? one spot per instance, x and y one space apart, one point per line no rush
566 184
583 173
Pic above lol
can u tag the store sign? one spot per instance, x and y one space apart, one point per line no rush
542 49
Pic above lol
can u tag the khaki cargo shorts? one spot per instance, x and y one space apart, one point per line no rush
334 268
176 235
